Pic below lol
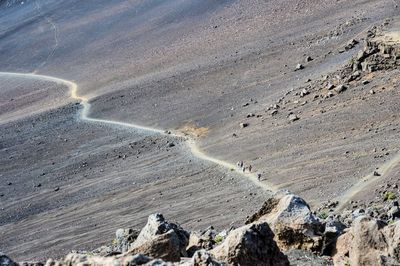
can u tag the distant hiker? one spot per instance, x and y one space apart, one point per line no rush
259 177
250 168
241 164
243 169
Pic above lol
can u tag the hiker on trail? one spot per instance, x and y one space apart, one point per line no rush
250 168
243 169
241 164
259 177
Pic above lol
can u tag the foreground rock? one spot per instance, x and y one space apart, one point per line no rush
291 220
369 242
252 244
6 261
161 239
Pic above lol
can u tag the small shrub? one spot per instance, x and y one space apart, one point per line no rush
389 195
218 239
322 215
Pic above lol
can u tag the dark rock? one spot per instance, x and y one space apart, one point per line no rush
6 261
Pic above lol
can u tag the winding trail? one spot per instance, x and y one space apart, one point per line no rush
190 142
366 181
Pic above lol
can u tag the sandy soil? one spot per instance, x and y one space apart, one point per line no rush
198 67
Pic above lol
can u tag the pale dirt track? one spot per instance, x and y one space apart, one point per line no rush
84 115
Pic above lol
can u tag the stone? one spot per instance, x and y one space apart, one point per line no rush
299 67
299 257
304 92
203 258
330 86
201 241
329 95
75 259
250 115
369 242
164 246
157 230
252 244
124 239
243 125
6 261
30 263
333 228
394 213
340 88
293 117
292 221
138 259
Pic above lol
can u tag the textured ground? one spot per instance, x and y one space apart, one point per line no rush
197 65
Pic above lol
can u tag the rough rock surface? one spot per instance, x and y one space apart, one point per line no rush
6 261
124 238
252 244
198 241
369 242
165 246
161 239
306 258
203 258
292 221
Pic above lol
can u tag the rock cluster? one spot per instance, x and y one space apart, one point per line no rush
285 231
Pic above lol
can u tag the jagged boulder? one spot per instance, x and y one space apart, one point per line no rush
124 239
369 242
252 244
6 261
333 229
291 220
199 241
165 246
161 239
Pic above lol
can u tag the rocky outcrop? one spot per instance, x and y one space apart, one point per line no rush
380 53
124 238
198 241
203 258
252 244
299 257
369 242
165 246
292 222
6 261
161 239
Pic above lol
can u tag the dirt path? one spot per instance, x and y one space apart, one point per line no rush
191 143
366 181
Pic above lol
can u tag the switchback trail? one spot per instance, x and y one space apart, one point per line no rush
190 142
